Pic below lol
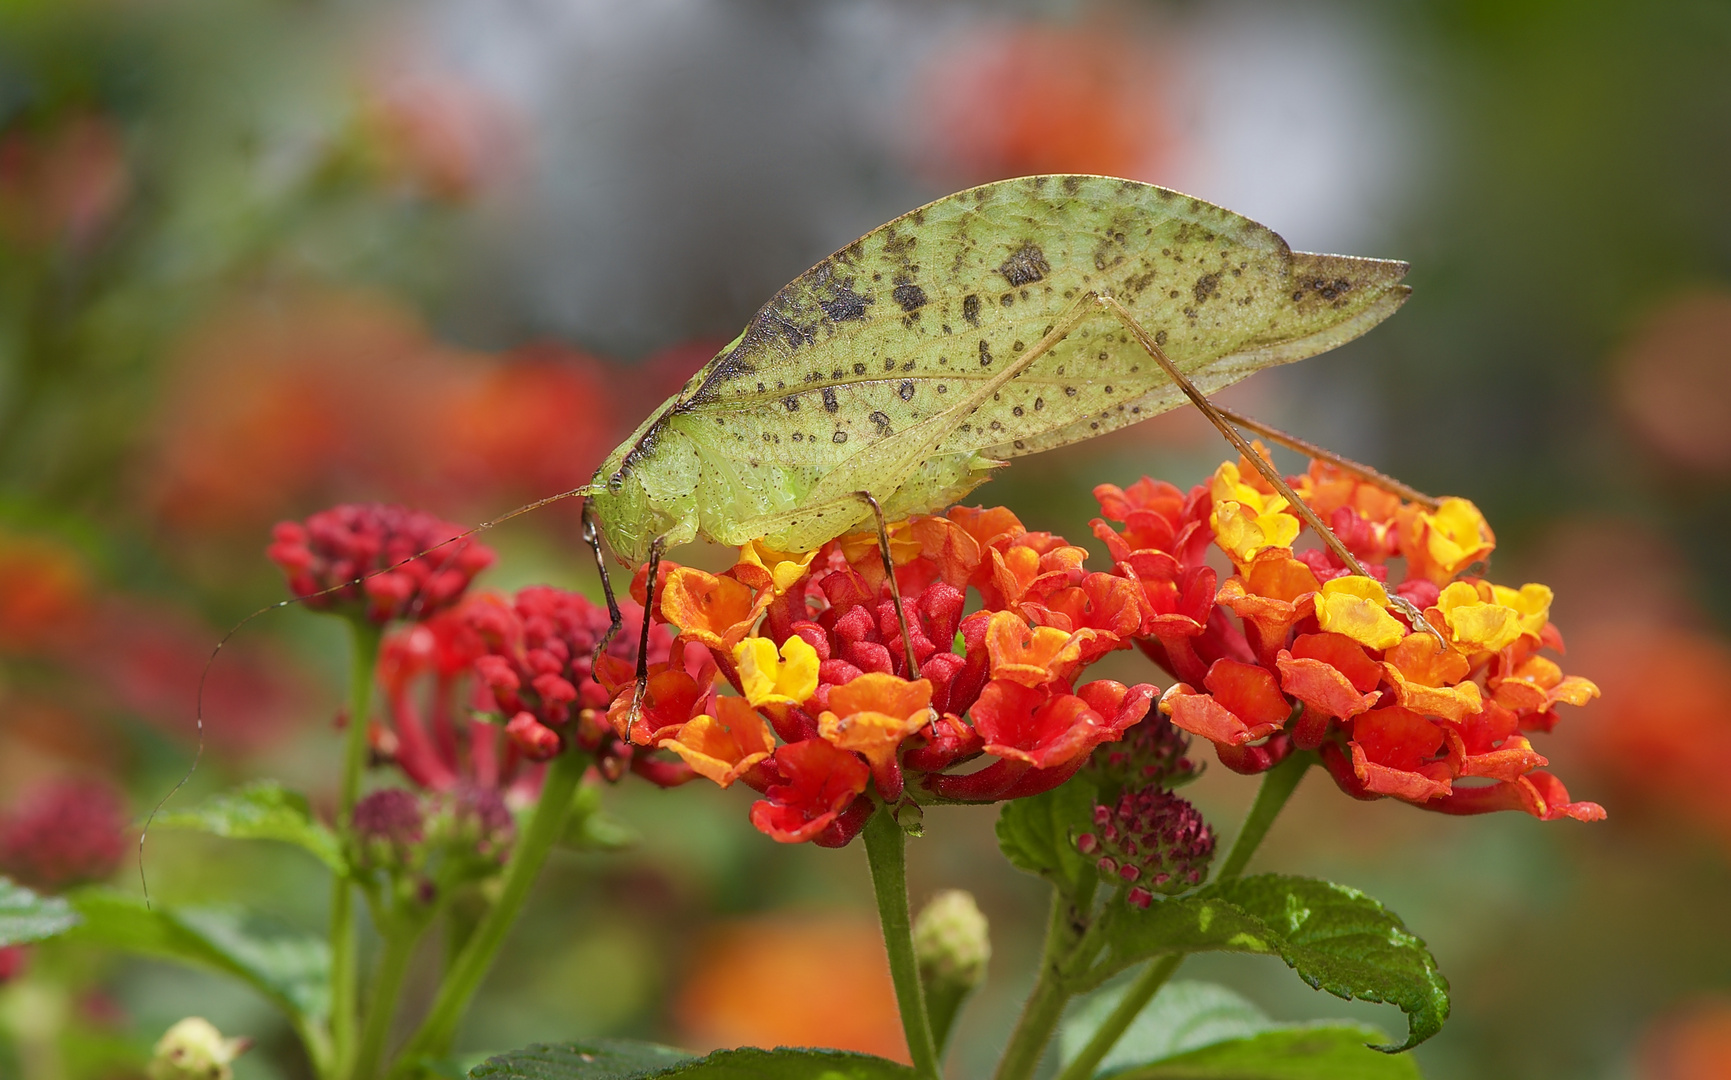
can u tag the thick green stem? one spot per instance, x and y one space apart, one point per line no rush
1278 785
382 995
886 851
530 854
1045 1005
1129 1007
345 962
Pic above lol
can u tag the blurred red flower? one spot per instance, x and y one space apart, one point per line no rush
1690 1043
45 593
379 562
63 833
783 980
1023 98
1673 380
64 182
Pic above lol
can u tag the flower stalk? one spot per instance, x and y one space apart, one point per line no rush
536 841
886 851
363 659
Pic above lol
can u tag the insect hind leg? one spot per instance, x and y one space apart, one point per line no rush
1268 472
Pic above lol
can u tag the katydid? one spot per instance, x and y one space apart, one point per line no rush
1018 316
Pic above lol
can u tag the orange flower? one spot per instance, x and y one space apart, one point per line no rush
1440 544
716 612
1243 704
872 715
722 747
1032 656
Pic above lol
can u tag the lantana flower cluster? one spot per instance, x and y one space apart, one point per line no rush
1293 651
360 559
825 705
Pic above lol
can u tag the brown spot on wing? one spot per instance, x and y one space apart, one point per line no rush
1026 265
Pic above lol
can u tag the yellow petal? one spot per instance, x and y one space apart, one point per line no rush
1471 621
1355 606
767 680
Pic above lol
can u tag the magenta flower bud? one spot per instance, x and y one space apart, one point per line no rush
1152 839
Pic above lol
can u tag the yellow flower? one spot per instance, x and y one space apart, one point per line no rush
781 569
1356 606
766 680
1531 600
1473 621
1440 544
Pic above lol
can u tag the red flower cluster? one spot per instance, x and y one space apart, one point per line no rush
526 661
1293 651
327 560
65 833
812 645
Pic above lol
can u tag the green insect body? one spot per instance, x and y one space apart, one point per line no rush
914 361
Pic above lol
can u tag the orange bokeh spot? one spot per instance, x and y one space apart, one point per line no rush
784 980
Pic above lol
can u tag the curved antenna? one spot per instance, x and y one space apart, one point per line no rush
204 674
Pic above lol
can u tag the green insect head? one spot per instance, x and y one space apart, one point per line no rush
647 488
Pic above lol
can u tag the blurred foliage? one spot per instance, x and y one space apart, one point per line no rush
260 256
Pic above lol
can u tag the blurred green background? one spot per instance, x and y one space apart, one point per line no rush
258 257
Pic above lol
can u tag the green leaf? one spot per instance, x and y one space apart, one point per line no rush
1335 938
263 811
1183 1016
26 917
1038 834
618 1059
1321 1052
288 967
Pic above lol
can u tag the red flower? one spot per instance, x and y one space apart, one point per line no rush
818 782
381 562
65 833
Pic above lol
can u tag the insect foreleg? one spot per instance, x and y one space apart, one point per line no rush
654 572
1269 473
895 589
616 618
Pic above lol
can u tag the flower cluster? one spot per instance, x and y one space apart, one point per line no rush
65 833
379 562
480 693
1295 651
828 703
1151 840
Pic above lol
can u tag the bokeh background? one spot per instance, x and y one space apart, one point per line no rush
259 256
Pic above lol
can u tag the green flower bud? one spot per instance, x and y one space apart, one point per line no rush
952 944
194 1050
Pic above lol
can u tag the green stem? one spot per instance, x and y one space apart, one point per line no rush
1045 1005
527 857
386 988
886 851
1278 785
1129 1007
364 655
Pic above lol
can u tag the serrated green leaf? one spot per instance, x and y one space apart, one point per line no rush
262 811
26 916
618 1059
290 968
1037 834
1322 1052
1335 938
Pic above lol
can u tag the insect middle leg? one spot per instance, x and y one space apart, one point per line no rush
895 589
1269 473
616 618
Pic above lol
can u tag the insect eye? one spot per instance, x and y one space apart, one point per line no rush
616 483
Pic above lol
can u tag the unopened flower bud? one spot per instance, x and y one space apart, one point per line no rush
1153 752
389 826
194 1049
1151 840
66 833
952 943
